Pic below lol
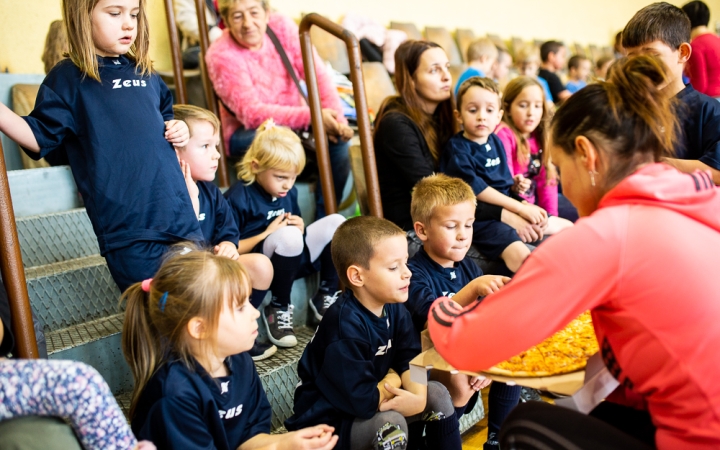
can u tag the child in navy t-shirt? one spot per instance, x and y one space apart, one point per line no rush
443 209
199 388
477 156
199 162
113 115
354 374
265 207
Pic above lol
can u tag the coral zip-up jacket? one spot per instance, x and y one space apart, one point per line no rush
646 265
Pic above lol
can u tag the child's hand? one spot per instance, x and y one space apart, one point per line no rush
226 249
145 445
279 222
177 133
404 402
525 230
191 187
319 437
522 184
478 383
296 221
532 213
487 284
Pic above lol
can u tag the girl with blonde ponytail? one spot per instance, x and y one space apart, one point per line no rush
267 213
186 335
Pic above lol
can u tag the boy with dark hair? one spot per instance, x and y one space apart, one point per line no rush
663 30
552 54
443 209
578 72
354 373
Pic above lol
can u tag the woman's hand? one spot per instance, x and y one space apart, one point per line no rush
346 133
296 221
332 127
177 133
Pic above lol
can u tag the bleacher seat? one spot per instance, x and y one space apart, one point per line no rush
455 72
579 49
409 28
464 38
443 38
378 84
516 44
330 49
23 99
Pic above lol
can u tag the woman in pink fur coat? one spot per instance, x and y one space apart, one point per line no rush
249 77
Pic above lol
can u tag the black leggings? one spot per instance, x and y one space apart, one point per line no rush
541 426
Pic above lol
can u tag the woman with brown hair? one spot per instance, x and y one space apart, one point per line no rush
641 259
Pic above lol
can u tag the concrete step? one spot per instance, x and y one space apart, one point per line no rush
69 293
43 191
56 237
97 343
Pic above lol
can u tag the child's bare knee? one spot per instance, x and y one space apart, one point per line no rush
514 255
259 268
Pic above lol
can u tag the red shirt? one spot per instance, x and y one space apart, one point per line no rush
703 67
645 265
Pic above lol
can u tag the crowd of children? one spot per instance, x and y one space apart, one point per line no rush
195 265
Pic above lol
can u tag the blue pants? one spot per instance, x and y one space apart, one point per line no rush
339 162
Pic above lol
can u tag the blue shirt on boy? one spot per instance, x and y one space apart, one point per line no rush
114 135
699 118
574 86
216 216
478 165
352 350
546 88
254 209
183 408
469 73
431 281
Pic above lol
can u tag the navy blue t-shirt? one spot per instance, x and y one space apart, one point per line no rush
430 281
254 209
352 350
114 134
216 217
699 117
478 165
182 408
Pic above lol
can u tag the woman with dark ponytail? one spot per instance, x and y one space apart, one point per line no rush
642 259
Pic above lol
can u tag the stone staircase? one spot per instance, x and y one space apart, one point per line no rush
76 301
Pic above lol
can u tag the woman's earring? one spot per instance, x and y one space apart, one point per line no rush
592 178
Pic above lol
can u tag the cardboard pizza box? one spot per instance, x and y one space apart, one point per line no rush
565 384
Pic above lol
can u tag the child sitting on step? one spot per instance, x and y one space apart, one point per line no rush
199 162
186 335
354 373
267 213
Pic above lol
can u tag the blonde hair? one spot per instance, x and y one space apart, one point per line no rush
482 47
225 5
527 54
482 83
81 48
191 113
187 285
56 45
438 190
356 240
512 90
274 147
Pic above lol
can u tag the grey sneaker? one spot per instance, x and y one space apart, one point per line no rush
529 395
492 442
321 302
279 324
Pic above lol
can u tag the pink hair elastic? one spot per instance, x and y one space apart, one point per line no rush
146 284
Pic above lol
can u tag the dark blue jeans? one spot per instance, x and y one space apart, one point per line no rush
339 162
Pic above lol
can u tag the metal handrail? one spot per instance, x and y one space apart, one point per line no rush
180 89
13 273
321 145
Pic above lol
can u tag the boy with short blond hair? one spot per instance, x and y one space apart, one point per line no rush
354 373
663 30
443 209
481 56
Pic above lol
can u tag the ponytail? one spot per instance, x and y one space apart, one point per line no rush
140 340
629 117
274 147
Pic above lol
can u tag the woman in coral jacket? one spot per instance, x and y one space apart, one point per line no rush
250 78
642 259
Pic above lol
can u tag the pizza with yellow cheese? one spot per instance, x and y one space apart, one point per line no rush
566 351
